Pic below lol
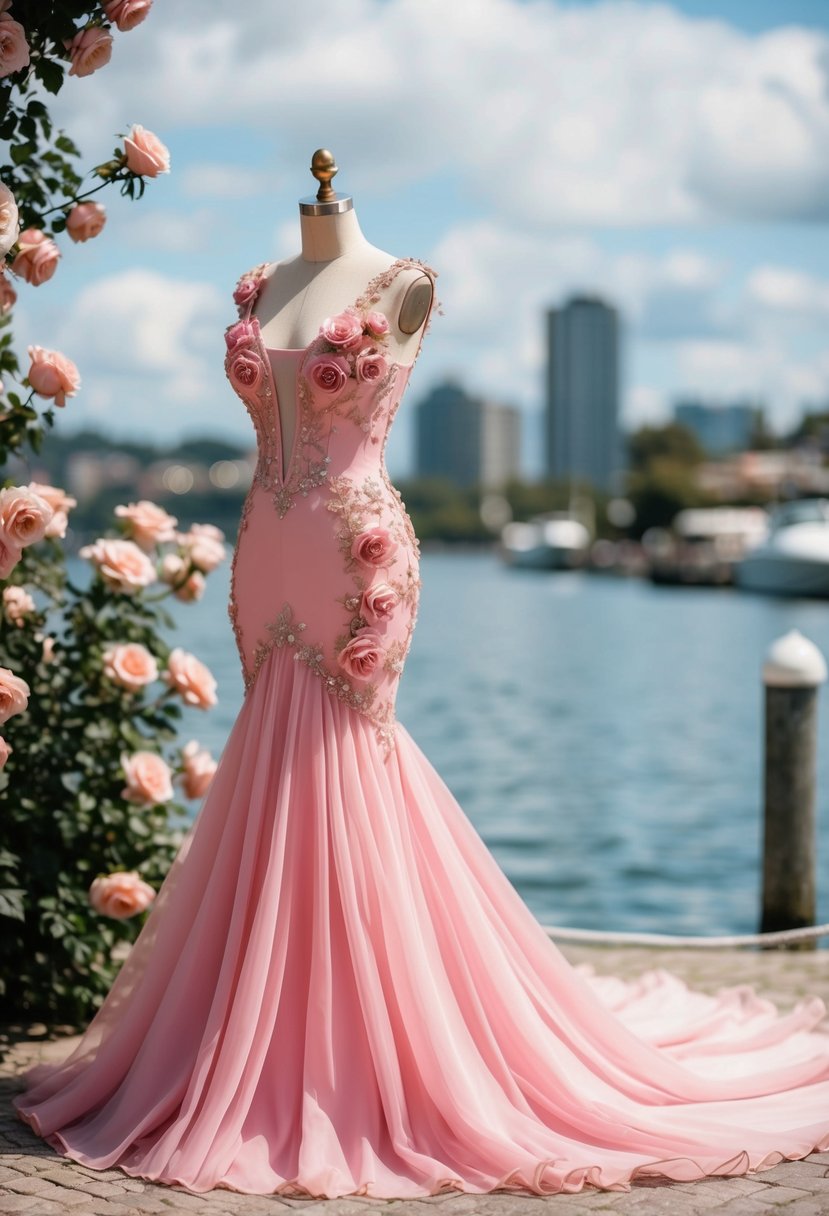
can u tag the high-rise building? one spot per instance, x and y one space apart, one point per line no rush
720 429
583 439
466 439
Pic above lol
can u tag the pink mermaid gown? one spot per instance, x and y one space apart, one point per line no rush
337 990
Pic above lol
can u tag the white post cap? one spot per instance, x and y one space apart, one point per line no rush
792 661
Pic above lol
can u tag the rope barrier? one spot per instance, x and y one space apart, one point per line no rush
779 938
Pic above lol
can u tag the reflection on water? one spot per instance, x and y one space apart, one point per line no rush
603 735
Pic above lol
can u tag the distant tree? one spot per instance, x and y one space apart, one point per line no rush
673 442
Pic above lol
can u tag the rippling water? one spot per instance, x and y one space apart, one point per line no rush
603 735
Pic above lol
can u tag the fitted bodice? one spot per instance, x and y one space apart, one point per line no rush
328 562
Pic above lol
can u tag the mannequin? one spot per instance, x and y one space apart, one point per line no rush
331 271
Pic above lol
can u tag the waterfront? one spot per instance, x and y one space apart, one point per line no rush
603 734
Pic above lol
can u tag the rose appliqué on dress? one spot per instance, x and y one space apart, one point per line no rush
350 347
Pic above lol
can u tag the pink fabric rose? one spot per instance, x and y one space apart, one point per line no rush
38 255
14 694
360 656
9 225
17 605
24 516
374 547
8 296
121 564
378 602
147 523
191 679
344 330
376 324
59 501
127 14
89 50
10 554
199 767
14 49
131 665
246 289
204 552
51 374
239 334
121 894
145 154
5 751
328 373
246 370
149 780
370 364
85 220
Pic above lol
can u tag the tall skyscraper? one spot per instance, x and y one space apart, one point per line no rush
466 439
583 439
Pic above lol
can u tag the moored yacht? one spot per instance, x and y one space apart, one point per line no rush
794 557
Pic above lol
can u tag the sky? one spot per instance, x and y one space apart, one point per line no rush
672 158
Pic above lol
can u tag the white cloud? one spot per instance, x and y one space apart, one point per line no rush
615 113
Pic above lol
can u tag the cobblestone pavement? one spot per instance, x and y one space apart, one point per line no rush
34 1179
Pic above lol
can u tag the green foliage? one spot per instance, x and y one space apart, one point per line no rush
64 818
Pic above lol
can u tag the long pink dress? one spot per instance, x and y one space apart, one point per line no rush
337 990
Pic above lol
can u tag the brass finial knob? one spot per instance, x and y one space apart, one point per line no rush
323 167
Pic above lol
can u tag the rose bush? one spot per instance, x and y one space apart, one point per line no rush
91 693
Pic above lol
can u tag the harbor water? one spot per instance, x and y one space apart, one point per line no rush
604 735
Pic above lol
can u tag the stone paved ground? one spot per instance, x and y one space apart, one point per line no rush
33 1179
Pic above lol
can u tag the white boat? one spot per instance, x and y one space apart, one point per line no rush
794 557
552 541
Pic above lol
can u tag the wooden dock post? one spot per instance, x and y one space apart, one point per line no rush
792 672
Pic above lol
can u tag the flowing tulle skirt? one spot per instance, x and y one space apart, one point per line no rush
338 991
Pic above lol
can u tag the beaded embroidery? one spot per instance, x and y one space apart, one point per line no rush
309 467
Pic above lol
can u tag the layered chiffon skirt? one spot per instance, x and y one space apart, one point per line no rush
337 991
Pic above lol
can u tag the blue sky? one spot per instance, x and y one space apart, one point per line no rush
672 157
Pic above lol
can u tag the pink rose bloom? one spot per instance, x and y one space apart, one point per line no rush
24 516
345 330
59 501
376 324
378 602
246 369
246 289
10 554
17 605
38 255
147 523
239 334
121 564
203 551
191 679
199 767
48 649
370 364
126 14
85 220
207 530
145 154
9 226
5 751
14 49
8 296
192 588
362 654
131 665
51 374
89 50
374 547
14 694
328 373
121 894
149 780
